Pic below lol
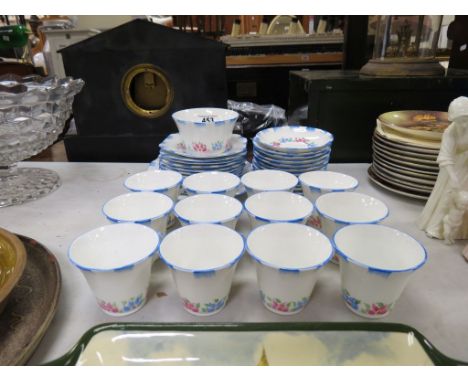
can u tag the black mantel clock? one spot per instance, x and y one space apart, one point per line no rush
136 75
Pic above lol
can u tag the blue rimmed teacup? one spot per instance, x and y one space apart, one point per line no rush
277 206
206 130
203 259
376 263
317 183
209 208
163 181
268 180
212 182
148 208
336 210
116 262
288 259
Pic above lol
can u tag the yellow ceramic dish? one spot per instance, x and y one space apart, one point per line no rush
419 124
396 136
12 263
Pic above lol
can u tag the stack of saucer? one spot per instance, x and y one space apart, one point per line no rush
174 156
294 149
405 148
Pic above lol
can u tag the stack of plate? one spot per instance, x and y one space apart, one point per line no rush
174 156
405 148
295 149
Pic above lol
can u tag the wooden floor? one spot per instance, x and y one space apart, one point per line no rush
54 153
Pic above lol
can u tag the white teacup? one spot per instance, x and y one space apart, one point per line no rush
163 181
148 208
268 180
316 183
212 182
277 206
209 208
376 263
203 259
116 262
205 131
288 257
338 209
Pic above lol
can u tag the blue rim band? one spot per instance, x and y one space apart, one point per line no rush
318 189
287 270
199 274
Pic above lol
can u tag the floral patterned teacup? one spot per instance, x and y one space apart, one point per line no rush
205 131
116 262
166 182
203 259
163 181
288 259
336 210
268 180
212 182
316 183
376 262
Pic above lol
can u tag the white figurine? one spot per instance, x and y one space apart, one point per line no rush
454 218
445 215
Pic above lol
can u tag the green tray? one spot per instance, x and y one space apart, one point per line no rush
254 344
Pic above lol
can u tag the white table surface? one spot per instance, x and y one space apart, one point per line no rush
435 301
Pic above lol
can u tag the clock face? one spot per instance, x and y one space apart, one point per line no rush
147 91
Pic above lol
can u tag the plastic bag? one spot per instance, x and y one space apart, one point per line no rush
299 116
253 117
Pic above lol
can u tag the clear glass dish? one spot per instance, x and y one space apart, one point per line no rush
33 112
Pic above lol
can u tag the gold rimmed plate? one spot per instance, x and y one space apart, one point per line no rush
403 146
403 178
401 183
404 171
396 189
416 162
405 153
407 140
405 165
